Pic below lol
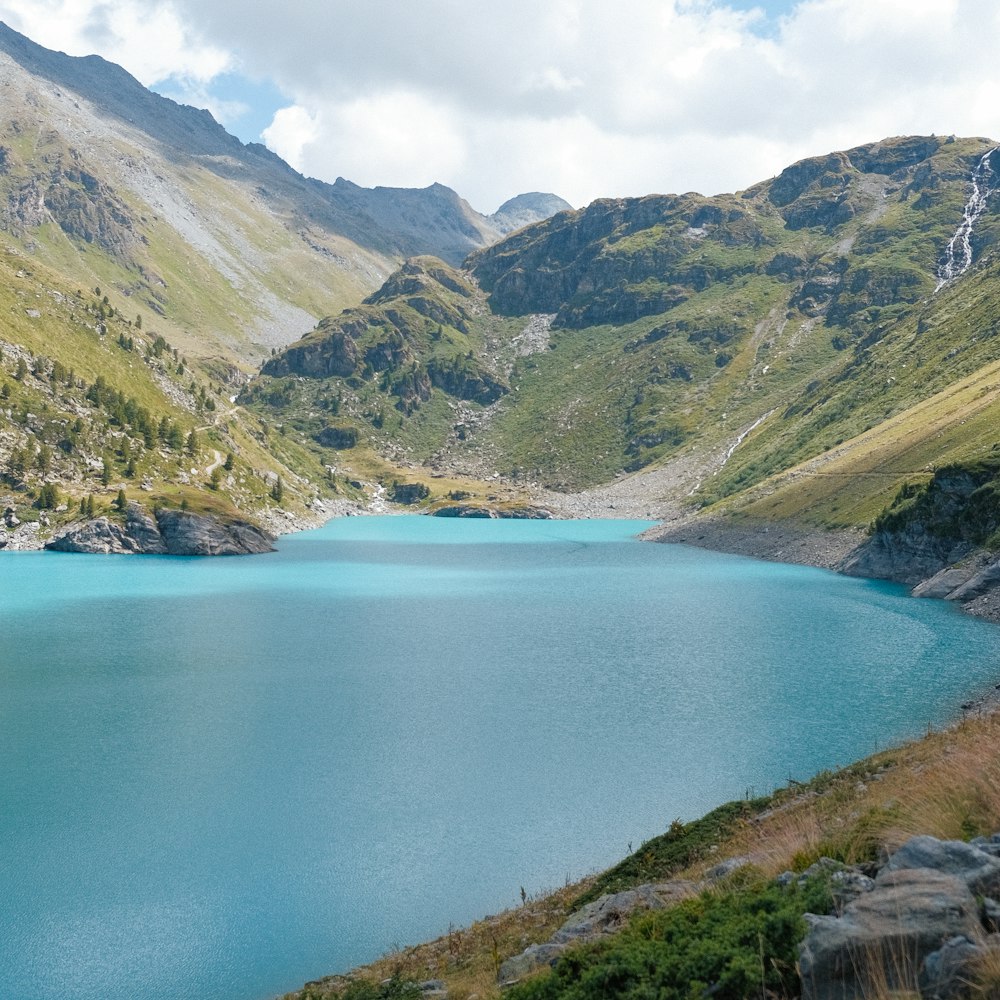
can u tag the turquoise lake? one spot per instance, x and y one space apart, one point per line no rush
220 778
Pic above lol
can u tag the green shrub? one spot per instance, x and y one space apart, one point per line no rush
727 945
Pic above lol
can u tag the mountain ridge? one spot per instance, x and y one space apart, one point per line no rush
372 217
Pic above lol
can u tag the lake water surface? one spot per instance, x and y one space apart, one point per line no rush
220 778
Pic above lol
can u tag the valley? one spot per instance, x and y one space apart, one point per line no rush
795 353
202 349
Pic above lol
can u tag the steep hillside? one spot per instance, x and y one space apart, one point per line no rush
179 213
98 409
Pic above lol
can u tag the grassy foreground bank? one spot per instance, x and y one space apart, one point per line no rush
946 784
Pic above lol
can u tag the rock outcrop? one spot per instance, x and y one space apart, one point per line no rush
173 532
937 538
924 925
187 534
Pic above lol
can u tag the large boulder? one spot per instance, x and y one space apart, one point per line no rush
921 927
879 943
977 868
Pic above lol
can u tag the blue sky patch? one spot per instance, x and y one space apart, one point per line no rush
243 106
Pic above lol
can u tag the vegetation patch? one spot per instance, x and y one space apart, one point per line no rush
729 944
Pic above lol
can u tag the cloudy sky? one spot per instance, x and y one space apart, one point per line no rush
586 98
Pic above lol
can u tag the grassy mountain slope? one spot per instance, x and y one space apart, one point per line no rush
93 402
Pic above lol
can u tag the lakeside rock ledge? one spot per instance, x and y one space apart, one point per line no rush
169 532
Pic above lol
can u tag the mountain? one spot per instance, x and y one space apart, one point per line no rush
145 247
809 351
144 179
525 209
800 351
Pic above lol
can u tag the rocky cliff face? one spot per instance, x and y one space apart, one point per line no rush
173 532
937 536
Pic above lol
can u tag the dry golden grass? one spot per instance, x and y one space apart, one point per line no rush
889 975
984 983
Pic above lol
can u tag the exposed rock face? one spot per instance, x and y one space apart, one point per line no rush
909 556
138 534
174 532
931 536
187 534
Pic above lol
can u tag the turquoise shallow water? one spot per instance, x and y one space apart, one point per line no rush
221 778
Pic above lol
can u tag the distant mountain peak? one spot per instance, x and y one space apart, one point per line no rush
525 209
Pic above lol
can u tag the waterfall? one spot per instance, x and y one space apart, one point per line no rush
958 254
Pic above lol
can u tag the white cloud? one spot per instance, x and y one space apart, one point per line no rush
291 131
153 43
580 97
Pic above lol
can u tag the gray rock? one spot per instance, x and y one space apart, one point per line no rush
991 915
534 957
725 868
99 536
977 869
942 584
909 556
883 936
173 532
847 882
982 582
187 534
946 973
609 913
988 845
603 916
142 528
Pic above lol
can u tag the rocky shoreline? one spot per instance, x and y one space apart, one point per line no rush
165 532
972 583
775 542
170 531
